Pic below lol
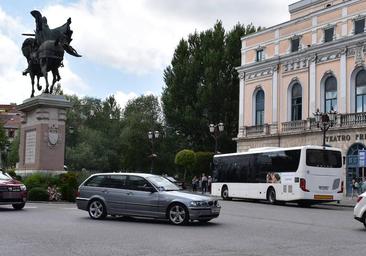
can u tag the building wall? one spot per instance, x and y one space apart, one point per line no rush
310 66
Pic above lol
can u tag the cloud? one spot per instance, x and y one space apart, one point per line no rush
123 97
139 36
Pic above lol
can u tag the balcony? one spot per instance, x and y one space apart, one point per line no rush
353 120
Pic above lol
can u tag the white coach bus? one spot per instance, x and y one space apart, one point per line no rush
306 175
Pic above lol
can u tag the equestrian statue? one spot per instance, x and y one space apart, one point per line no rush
44 51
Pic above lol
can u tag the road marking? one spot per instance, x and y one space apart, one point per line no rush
30 207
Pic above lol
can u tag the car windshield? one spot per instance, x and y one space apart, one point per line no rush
3 176
162 183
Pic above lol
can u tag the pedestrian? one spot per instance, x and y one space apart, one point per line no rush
194 184
209 182
355 186
204 181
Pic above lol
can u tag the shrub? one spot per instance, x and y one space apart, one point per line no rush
68 186
41 180
38 194
187 159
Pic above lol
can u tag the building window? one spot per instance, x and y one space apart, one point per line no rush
260 55
330 99
328 34
296 102
359 26
361 91
259 108
295 44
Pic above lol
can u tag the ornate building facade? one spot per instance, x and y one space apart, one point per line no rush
316 60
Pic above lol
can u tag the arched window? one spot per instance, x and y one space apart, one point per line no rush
361 91
259 107
296 102
330 99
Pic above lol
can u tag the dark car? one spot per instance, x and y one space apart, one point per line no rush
143 195
12 192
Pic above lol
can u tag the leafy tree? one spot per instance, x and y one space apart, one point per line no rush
13 155
3 142
140 116
203 162
3 139
92 127
202 86
187 159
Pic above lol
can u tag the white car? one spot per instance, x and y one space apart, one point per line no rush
360 209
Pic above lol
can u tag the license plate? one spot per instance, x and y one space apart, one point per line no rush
215 210
323 197
10 195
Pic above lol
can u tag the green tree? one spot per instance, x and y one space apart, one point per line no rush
140 116
187 159
92 127
3 139
202 86
13 155
203 163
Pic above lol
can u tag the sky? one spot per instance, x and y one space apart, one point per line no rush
125 44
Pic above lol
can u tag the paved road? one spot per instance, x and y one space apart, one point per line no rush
243 228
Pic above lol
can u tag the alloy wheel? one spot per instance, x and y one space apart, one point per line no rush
96 210
177 215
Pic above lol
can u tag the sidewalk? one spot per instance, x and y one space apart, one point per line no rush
345 202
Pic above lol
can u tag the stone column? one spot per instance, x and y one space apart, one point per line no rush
241 104
312 85
343 81
42 134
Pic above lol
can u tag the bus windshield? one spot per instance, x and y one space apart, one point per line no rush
323 158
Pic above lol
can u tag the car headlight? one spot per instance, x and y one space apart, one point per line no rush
23 188
199 204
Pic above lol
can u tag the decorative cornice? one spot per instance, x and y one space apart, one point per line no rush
319 53
254 75
295 64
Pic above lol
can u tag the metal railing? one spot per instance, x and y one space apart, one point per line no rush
342 120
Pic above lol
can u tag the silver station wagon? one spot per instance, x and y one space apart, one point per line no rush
143 195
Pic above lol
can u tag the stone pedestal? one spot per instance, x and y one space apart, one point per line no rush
42 134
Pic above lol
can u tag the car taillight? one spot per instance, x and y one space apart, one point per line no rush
303 185
342 187
359 199
77 193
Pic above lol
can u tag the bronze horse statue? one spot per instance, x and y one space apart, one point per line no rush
45 52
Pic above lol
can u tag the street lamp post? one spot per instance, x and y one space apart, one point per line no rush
152 135
325 120
215 131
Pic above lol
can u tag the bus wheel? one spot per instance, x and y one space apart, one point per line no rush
271 195
225 193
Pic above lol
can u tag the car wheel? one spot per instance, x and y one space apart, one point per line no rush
271 195
225 193
97 210
364 220
18 206
178 214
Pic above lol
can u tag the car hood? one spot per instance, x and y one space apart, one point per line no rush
9 182
187 195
